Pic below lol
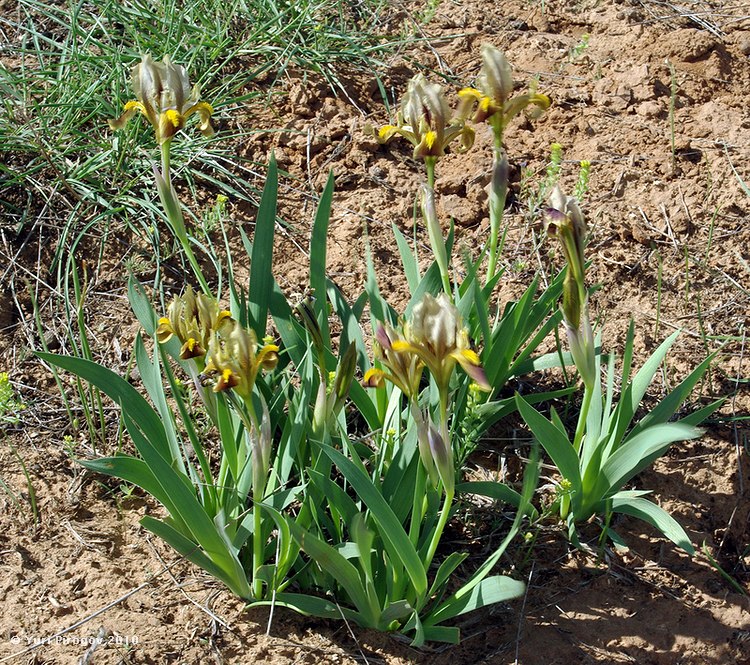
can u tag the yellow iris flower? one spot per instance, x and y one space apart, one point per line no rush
434 338
435 334
235 357
404 370
492 95
231 353
425 120
163 94
191 318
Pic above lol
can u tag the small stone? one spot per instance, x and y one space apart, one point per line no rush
377 173
649 109
690 45
518 24
463 212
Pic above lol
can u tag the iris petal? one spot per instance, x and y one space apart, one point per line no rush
374 378
204 111
469 362
131 108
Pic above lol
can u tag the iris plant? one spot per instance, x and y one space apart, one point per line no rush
164 96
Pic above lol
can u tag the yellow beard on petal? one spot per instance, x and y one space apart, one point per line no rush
385 130
174 117
373 378
471 356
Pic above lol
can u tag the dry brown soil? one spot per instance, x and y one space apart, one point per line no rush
678 220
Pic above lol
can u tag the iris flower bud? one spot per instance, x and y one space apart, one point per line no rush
565 221
332 395
261 453
442 454
424 425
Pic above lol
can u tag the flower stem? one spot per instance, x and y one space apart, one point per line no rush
437 534
258 545
498 191
429 163
437 242
418 505
498 194
582 416
246 412
448 482
173 211
165 163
